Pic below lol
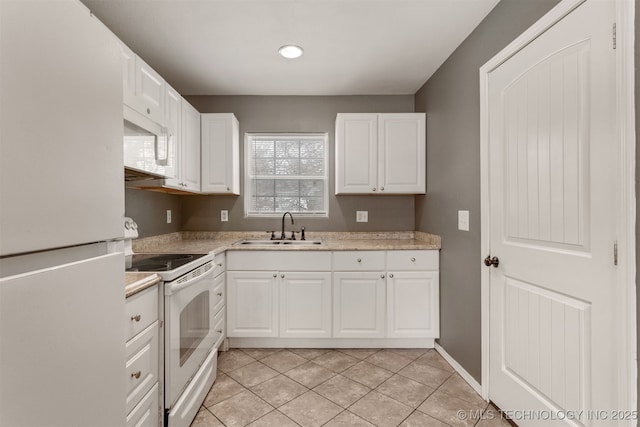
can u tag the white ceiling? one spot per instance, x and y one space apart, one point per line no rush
352 47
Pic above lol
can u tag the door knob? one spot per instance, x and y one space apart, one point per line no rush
488 261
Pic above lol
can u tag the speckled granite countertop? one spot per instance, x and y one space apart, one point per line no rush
138 282
217 242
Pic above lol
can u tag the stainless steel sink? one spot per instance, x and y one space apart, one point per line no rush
266 242
301 242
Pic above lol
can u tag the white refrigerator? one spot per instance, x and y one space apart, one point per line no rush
62 352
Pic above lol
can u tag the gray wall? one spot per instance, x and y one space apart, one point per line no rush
451 99
149 210
300 114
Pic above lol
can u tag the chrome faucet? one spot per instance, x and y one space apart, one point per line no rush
282 236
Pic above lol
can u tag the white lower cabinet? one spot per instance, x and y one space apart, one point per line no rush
305 304
411 299
358 304
146 413
252 301
358 295
142 364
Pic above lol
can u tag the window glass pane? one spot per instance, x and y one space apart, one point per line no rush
264 167
287 187
263 149
264 204
284 204
310 187
288 149
288 167
282 162
312 167
312 204
265 187
312 149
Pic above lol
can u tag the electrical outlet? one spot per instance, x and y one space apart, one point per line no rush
168 216
463 220
224 216
362 216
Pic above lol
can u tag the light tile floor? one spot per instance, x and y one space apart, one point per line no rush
340 388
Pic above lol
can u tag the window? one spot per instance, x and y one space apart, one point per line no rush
286 172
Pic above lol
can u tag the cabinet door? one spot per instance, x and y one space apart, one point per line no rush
172 114
149 91
128 74
412 304
356 153
305 305
358 304
191 147
220 154
401 153
252 304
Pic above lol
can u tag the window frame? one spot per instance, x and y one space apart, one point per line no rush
248 193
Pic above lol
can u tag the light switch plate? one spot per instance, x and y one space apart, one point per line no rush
168 216
463 220
362 216
224 216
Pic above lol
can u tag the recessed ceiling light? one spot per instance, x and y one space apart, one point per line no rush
290 51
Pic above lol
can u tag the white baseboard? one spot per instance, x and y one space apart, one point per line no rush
459 369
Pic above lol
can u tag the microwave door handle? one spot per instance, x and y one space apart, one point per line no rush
164 135
174 286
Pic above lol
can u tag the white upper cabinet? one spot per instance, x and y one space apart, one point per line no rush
128 74
190 152
143 88
380 153
356 153
173 120
402 153
220 153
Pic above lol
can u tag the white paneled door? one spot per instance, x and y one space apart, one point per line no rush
552 175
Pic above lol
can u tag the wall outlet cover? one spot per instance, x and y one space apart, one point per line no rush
224 216
362 216
168 216
463 220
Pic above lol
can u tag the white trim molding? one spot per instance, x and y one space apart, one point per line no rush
626 211
625 82
459 369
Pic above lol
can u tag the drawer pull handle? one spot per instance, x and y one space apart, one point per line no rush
359 260
382 276
391 276
220 265
413 260
275 275
136 375
136 318
282 276
219 331
219 294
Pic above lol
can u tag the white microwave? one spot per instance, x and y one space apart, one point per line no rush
149 149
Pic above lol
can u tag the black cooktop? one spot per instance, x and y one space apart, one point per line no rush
161 262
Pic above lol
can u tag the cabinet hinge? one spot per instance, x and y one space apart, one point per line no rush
614 36
615 253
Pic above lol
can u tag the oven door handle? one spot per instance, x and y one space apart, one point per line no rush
177 285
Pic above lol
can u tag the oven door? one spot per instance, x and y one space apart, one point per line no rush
189 331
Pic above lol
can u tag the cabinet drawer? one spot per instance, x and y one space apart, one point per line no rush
413 260
221 264
141 310
219 293
279 260
219 328
147 412
358 261
142 364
